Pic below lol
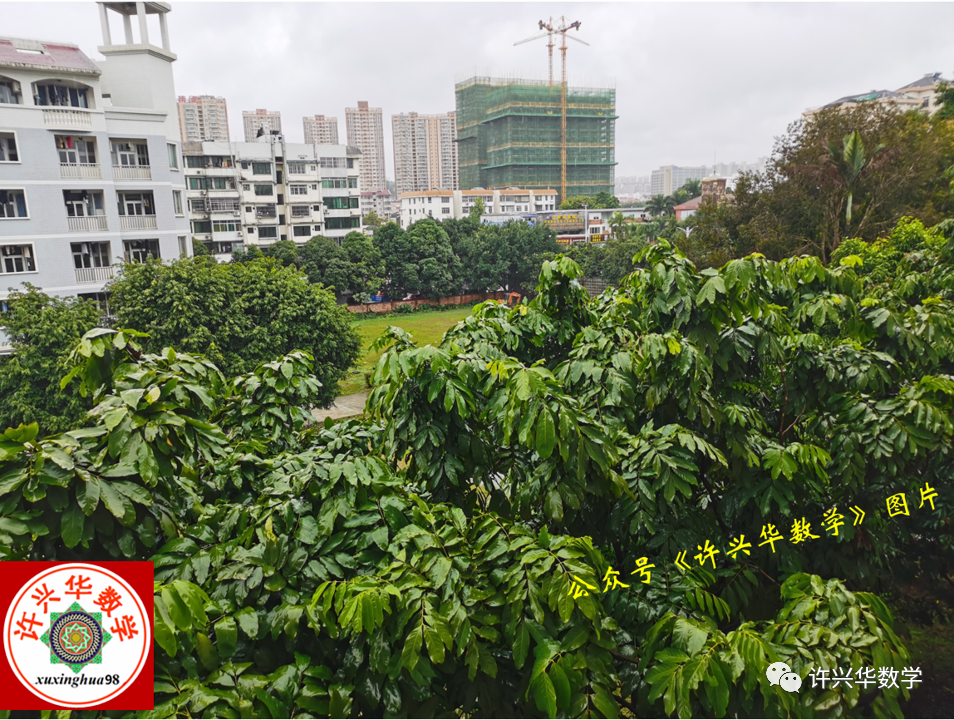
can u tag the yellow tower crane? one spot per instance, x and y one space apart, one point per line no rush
549 30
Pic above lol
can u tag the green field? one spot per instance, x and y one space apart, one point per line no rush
426 327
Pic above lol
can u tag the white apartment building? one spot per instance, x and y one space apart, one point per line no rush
365 127
425 152
669 178
90 166
457 204
261 192
261 121
919 95
203 117
378 202
320 130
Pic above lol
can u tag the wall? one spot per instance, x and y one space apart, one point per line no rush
391 306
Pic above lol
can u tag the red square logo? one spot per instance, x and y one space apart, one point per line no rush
77 636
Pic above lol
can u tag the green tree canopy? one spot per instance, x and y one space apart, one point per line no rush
239 314
285 251
327 263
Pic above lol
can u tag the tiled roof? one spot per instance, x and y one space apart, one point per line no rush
929 80
690 204
53 56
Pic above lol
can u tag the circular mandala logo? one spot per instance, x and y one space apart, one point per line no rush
77 635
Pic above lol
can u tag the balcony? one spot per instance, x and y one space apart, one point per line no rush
132 172
65 119
94 274
137 222
88 223
80 171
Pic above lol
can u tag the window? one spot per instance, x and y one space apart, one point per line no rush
261 168
445 211
73 150
245 166
223 205
130 154
317 208
445 199
60 96
173 156
177 202
13 204
317 228
194 161
297 189
8 148
90 254
206 183
198 205
139 250
339 183
82 203
350 163
246 187
341 203
268 232
250 230
201 226
343 223
300 211
183 248
136 204
335 162
249 209
16 259
263 189
297 168
301 230
226 227
9 92
265 211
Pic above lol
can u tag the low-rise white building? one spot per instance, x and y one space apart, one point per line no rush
257 193
457 204
90 168
378 202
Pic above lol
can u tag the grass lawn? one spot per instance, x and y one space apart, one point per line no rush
426 327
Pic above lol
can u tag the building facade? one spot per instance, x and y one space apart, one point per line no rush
378 202
425 152
203 117
515 203
365 128
258 193
669 178
509 134
919 95
320 130
90 159
261 121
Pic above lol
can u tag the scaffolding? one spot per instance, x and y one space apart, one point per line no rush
509 135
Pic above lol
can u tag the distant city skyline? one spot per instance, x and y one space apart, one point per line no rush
783 59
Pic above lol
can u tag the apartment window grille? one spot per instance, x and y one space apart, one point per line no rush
201 226
261 168
341 203
297 168
226 227
343 223
297 189
16 259
265 211
194 161
81 203
13 204
90 255
317 208
301 230
268 232
137 251
332 162
8 148
300 211
198 205
223 205
263 189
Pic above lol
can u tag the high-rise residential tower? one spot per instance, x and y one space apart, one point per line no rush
320 130
203 117
365 126
425 152
270 123
90 162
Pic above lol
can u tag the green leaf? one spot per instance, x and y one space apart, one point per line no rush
194 599
435 645
689 637
226 636
604 701
247 619
553 505
546 434
521 645
561 686
208 655
439 570
115 501
544 694
164 629
71 528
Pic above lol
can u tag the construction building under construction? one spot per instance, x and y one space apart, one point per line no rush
509 134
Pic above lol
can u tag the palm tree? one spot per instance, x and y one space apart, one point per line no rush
846 164
618 224
661 205
693 187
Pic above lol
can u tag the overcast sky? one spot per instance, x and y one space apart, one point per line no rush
692 80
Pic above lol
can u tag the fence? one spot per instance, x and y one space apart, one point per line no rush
392 305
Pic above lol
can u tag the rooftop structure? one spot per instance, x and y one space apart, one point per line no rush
261 122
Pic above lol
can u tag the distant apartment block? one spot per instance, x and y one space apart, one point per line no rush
365 128
425 152
457 204
203 117
669 178
261 122
90 169
632 185
918 95
257 193
378 202
320 130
